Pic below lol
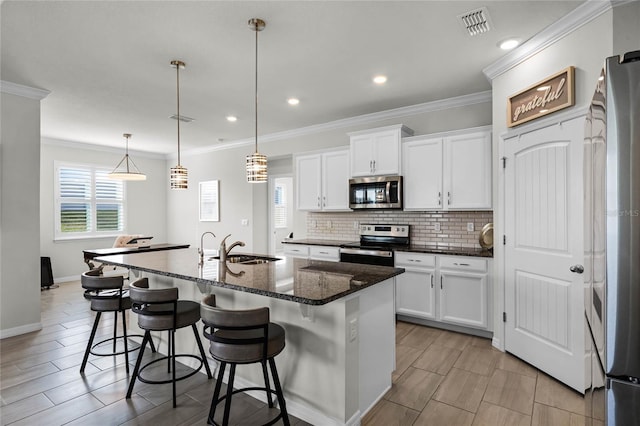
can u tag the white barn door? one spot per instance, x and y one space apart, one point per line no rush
543 230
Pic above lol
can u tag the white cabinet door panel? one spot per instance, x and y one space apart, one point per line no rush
308 183
361 155
422 171
335 180
386 153
463 298
415 293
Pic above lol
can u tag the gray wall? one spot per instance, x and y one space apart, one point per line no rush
19 215
145 208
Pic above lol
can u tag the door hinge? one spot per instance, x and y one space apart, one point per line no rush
504 317
504 162
504 240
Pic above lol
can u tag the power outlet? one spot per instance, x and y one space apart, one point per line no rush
245 222
353 329
329 224
437 227
470 227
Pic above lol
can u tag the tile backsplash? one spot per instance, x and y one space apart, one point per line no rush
453 226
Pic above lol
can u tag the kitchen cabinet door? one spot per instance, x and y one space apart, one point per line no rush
467 171
361 155
463 298
309 182
386 153
415 293
376 152
335 181
422 171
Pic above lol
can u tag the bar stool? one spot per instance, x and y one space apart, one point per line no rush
243 337
160 310
107 295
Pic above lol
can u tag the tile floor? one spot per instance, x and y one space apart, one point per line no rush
442 378
445 378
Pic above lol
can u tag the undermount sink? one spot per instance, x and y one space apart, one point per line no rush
247 259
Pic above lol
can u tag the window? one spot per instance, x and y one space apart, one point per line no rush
88 203
280 206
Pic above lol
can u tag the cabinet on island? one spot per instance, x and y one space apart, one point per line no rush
448 171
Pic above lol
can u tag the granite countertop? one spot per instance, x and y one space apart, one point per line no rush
422 248
311 282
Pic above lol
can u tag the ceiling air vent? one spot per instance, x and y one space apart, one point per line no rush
476 21
182 118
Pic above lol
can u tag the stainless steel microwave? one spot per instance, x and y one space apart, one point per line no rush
375 192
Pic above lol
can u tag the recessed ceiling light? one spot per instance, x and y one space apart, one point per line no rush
509 44
380 79
293 101
232 118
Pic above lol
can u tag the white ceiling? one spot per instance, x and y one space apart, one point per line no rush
106 63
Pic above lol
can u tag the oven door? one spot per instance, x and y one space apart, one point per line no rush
368 257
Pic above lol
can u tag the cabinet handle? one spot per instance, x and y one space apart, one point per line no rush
431 281
374 166
448 198
439 198
441 282
318 201
461 264
324 201
370 166
323 252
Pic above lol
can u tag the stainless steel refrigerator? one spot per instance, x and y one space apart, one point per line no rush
612 244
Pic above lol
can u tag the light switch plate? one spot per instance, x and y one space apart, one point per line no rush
245 222
470 227
436 227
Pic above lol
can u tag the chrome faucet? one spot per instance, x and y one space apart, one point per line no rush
201 249
224 252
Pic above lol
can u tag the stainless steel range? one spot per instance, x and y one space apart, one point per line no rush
376 244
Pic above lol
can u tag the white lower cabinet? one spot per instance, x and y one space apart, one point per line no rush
303 251
447 289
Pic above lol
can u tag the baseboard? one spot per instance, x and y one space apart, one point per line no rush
66 279
23 329
495 342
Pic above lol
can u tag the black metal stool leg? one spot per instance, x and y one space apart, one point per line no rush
227 402
153 347
172 357
266 383
126 343
202 354
169 351
115 330
93 335
280 395
216 392
136 369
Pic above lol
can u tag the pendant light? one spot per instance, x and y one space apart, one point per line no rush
178 175
126 168
256 162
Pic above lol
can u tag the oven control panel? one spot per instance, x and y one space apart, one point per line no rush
384 230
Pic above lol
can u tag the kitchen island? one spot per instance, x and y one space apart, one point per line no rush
339 320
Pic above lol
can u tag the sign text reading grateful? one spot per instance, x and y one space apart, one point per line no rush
545 97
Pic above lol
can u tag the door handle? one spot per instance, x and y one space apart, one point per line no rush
431 281
578 269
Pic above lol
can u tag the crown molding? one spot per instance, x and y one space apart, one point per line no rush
575 19
360 120
24 91
100 148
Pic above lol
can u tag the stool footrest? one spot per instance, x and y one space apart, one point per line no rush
164 358
92 352
252 388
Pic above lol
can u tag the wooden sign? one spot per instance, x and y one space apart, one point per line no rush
544 97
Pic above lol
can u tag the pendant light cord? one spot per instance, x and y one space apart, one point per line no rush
257 31
178 103
126 152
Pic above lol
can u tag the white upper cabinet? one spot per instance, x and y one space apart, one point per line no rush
422 171
322 181
377 151
467 171
447 171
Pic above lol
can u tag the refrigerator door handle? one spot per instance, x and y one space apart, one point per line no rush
578 269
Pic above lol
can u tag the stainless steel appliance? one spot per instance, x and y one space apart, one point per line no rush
375 192
612 244
376 244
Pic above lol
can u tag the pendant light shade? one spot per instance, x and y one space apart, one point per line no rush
256 162
178 174
126 168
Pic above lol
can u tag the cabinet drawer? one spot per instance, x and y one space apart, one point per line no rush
423 260
324 253
296 250
463 263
